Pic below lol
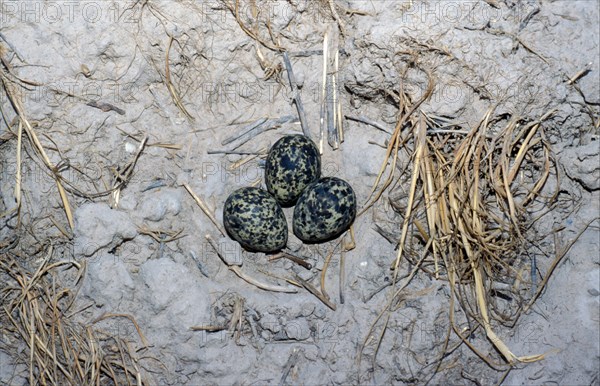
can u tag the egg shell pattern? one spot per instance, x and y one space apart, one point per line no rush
292 164
253 218
324 210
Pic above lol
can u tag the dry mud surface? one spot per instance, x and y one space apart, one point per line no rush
517 55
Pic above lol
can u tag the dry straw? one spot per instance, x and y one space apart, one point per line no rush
37 311
8 82
470 202
37 315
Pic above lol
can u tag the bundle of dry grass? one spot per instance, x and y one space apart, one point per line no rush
474 197
476 212
36 317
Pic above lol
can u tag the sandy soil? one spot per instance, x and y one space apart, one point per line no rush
518 55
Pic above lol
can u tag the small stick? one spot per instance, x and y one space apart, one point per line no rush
234 152
342 280
246 277
245 130
256 129
323 93
199 264
122 178
267 287
241 162
447 131
579 74
259 130
339 123
331 96
293 258
306 53
174 94
336 17
533 275
18 174
291 362
296 93
369 122
378 290
208 328
332 137
40 149
310 288
11 47
106 107
251 317
154 185
60 228
204 208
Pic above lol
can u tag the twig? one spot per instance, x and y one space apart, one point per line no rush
199 264
106 107
204 208
11 47
121 178
244 131
339 122
246 277
332 133
292 258
234 152
174 94
323 91
256 128
16 103
581 73
342 280
291 362
310 288
369 122
18 171
209 328
337 17
305 53
160 235
378 290
296 95
560 254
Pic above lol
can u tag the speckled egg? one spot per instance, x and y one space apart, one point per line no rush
292 164
253 218
325 209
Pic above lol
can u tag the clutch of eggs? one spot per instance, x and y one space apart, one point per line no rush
325 207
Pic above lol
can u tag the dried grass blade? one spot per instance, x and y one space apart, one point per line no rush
418 159
17 192
174 94
204 208
40 149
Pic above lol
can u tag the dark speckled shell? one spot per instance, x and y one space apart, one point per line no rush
253 218
324 210
292 164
